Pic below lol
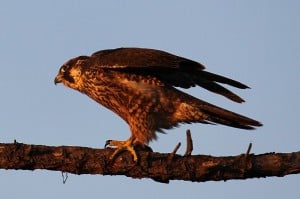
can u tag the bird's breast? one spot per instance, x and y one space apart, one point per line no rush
124 95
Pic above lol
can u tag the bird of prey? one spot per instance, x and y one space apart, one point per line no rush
139 85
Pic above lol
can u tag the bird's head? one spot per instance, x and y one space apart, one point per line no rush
70 73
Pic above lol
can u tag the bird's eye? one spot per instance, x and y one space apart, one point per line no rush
63 69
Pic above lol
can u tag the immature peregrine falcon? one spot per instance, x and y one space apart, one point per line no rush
139 84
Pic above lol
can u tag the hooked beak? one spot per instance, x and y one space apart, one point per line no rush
58 79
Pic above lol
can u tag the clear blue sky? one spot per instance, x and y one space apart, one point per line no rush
256 42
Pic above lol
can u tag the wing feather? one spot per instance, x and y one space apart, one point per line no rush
171 69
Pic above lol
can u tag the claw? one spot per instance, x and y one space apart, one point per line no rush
107 143
120 147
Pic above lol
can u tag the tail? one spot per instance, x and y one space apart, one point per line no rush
197 110
222 116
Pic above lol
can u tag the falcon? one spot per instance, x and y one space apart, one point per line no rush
140 85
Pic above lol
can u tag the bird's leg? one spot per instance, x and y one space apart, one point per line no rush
121 146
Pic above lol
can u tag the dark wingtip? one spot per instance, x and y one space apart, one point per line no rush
236 98
223 80
258 124
253 125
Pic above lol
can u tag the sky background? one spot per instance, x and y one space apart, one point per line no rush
256 42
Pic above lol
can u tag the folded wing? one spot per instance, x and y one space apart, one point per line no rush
171 69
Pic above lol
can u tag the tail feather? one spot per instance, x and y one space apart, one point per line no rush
228 118
200 111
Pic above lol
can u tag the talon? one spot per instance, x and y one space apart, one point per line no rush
122 146
107 143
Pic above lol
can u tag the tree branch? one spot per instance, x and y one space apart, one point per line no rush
157 166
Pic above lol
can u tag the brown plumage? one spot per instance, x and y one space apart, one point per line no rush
139 85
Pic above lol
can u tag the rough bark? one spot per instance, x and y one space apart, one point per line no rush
157 166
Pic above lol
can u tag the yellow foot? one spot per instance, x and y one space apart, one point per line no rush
122 146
